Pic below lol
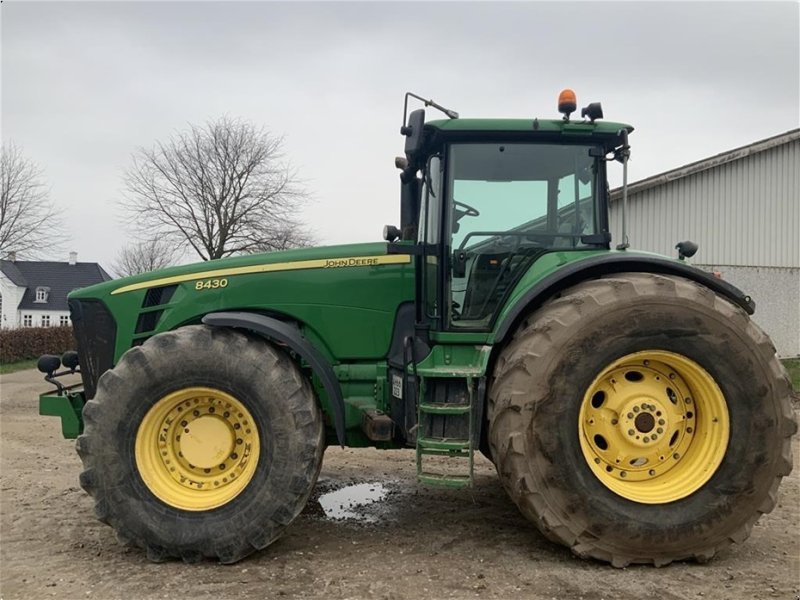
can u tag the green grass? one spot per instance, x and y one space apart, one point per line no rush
17 366
793 366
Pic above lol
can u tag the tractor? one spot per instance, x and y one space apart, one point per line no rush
633 411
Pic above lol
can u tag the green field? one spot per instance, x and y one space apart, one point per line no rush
17 366
793 366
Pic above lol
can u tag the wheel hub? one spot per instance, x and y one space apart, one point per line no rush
197 448
639 421
206 442
644 422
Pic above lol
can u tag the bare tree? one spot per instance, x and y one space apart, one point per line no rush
142 257
25 208
220 189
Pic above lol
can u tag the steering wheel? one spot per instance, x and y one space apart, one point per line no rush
468 212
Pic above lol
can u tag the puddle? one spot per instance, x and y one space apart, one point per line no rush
349 502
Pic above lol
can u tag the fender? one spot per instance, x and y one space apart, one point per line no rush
286 334
606 264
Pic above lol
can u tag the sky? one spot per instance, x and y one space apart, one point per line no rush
84 84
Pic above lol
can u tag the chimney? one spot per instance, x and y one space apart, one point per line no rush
73 258
12 256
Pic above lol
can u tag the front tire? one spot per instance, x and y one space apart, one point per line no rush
202 442
578 458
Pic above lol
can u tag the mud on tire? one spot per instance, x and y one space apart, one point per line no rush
540 380
273 390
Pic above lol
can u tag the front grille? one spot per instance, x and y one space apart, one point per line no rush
96 334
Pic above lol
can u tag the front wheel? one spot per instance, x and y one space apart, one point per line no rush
202 442
640 418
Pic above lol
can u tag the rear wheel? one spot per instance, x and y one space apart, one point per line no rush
641 418
203 442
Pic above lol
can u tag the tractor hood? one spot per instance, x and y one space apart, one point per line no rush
331 292
297 259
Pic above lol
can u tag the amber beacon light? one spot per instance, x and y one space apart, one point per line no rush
567 103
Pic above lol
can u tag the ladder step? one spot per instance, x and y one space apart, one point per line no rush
444 409
443 444
443 452
452 481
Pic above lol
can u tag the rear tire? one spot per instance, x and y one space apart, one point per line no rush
540 409
236 400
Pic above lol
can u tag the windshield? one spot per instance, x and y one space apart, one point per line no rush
510 202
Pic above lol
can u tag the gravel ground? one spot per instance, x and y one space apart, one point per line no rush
411 542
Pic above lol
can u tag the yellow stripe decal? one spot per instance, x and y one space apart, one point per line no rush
322 263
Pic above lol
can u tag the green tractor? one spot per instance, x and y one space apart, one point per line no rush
632 409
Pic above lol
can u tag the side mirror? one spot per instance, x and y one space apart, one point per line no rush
413 132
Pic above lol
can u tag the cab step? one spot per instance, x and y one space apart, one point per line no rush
447 418
441 480
427 443
439 408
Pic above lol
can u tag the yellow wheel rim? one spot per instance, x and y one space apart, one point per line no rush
197 448
654 427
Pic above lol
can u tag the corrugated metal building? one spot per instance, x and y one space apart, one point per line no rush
743 208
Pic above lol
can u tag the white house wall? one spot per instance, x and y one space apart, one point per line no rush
12 296
36 315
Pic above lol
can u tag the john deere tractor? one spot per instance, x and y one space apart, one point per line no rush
632 409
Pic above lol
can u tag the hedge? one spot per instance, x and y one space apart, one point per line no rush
26 343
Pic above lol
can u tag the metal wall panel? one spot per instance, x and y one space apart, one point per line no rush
742 213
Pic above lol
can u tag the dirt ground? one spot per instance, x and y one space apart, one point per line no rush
415 542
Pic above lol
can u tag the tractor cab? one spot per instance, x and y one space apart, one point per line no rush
484 199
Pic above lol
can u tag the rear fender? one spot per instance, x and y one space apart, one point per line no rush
606 264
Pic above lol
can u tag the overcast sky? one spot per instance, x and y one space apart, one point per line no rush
85 83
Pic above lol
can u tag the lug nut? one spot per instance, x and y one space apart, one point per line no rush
660 430
635 409
630 415
631 432
661 421
646 439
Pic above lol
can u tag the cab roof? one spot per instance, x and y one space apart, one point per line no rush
605 131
